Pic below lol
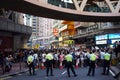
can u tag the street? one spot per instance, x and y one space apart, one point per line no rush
62 75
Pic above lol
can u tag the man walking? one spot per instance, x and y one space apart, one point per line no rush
69 64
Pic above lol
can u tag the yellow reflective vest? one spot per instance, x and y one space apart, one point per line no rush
68 58
92 57
49 56
107 56
30 59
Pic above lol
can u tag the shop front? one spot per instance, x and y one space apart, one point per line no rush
107 40
6 44
66 43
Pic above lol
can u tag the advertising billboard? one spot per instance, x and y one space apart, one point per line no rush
101 37
113 36
101 42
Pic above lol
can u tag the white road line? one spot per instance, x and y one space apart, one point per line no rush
1 79
19 74
5 78
111 72
64 72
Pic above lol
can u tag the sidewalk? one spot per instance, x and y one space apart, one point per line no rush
15 70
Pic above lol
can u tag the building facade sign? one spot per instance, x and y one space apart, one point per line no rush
55 31
92 28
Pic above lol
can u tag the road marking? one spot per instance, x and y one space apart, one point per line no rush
1 79
111 72
5 78
64 72
19 74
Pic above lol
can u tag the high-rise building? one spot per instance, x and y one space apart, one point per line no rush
45 31
45 27
27 19
41 28
32 21
35 27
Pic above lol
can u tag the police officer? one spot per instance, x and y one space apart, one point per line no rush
106 65
92 58
30 62
69 64
49 62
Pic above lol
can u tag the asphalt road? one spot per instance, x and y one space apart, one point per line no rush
62 75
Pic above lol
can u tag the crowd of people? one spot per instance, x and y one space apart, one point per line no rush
57 58
6 62
69 58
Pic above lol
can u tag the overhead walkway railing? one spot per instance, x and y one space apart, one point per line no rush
89 5
85 10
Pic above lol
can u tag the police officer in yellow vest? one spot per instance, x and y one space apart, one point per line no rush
92 59
49 63
106 66
30 62
69 64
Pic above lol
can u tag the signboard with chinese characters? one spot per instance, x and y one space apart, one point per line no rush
55 31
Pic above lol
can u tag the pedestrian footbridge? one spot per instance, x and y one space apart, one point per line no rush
80 13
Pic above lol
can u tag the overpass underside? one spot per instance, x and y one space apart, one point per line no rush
39 8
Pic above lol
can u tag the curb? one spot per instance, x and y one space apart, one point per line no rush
13 74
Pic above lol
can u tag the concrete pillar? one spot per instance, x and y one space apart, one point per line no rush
17 42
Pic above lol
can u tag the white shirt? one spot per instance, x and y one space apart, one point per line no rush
35 56
102 55
56 56
77 53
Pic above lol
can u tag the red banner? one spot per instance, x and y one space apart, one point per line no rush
55 31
